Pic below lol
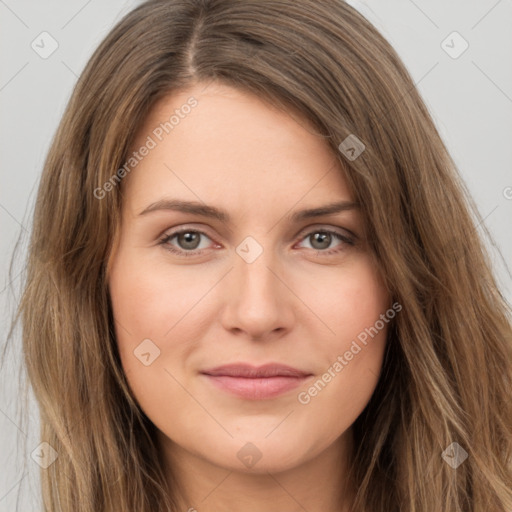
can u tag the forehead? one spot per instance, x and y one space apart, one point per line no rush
223 144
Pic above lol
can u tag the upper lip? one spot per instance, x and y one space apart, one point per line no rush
249 371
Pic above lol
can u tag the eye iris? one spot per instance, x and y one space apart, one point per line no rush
323 238
188 240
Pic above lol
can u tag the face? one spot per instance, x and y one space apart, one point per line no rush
221 260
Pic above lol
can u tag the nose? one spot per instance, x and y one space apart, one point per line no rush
258 301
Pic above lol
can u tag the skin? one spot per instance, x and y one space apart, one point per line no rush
294 304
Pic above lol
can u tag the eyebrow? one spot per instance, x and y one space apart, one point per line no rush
205 210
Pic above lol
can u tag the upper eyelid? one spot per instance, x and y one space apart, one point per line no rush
301 234
169 233
324 227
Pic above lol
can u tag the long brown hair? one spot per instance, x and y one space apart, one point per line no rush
447 372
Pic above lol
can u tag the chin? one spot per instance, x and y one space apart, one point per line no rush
261 455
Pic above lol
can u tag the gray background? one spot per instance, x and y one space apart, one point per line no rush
470 98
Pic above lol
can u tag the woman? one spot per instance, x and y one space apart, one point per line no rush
254 280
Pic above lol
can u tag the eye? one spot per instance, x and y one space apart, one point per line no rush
188 242
322 239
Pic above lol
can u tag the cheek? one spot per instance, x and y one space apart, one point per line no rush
334 399
149 300
346 301
160 303
353 306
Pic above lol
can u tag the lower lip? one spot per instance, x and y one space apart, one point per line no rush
256 388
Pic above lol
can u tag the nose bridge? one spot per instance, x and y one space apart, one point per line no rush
259 303
255 280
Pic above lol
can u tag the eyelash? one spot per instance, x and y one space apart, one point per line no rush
197 252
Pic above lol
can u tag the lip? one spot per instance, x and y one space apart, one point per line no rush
256 383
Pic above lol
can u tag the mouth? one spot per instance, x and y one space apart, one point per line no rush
256 383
